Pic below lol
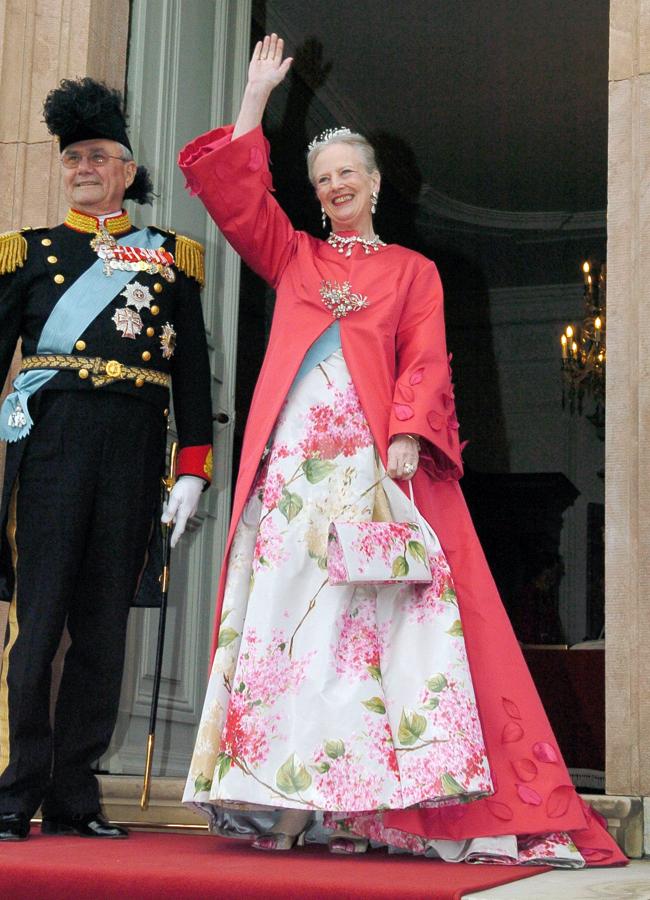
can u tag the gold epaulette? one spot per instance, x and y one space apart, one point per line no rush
189 258
13 251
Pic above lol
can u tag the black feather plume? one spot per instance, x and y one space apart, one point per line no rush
82 109
141 189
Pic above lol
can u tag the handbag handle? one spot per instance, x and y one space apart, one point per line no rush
413 509
412 498
386 475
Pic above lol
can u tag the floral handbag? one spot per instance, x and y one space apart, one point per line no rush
378 552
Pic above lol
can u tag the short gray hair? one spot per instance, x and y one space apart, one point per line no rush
362 144
125 153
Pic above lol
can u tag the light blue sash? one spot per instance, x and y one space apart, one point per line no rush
328 342
75 310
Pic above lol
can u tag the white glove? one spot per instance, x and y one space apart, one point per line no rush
182 504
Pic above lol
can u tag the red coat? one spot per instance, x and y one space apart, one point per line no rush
396 352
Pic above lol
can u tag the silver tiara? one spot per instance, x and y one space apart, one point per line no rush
327 135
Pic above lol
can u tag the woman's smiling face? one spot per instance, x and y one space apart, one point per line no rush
344 187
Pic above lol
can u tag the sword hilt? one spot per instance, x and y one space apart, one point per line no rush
170 478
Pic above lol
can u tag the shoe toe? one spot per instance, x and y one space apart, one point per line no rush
13 827
99 827
93 825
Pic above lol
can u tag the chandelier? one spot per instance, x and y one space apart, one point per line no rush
584 351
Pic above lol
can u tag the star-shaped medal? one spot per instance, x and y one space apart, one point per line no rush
167 341
137 295
127 321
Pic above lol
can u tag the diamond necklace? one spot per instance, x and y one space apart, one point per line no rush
345 244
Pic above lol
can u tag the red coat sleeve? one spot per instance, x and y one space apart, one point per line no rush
196 461
423 400
232 179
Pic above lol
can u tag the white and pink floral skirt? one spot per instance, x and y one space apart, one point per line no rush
341 700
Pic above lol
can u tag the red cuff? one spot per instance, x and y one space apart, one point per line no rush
195 461
204 144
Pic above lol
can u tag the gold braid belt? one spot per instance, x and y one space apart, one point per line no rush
100 371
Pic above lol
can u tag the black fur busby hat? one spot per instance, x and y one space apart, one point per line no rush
82 109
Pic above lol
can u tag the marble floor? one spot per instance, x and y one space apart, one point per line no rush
629 883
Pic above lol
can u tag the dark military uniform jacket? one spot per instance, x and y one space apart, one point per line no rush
149 336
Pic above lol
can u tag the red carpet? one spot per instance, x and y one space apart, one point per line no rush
182 866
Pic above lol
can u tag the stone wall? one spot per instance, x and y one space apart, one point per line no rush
41 42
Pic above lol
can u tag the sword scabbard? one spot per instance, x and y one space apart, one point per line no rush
168 483
146 787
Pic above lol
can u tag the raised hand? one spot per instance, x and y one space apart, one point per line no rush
267 68
265 72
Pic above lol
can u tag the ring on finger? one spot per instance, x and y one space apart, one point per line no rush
409 468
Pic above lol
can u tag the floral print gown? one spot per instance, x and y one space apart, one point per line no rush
338 699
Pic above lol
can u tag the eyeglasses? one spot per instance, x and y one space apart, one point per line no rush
97 159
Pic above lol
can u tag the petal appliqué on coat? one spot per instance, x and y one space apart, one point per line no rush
528 795
403 411
559 799
525 769
545 752
511 708
499 810
255 159
511 732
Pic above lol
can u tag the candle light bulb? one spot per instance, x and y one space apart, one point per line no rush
569 331
574 348
585 267
598 323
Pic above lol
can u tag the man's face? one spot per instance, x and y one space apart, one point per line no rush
92 188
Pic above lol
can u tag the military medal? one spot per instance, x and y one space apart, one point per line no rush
17 418
132 259
167 341
137 295
127 321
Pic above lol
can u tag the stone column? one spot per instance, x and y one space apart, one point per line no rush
41 42
628 403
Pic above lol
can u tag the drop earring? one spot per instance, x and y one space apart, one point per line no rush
323 217
374 197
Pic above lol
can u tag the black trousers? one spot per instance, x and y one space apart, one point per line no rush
79 523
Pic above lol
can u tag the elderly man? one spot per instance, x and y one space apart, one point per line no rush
109 317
